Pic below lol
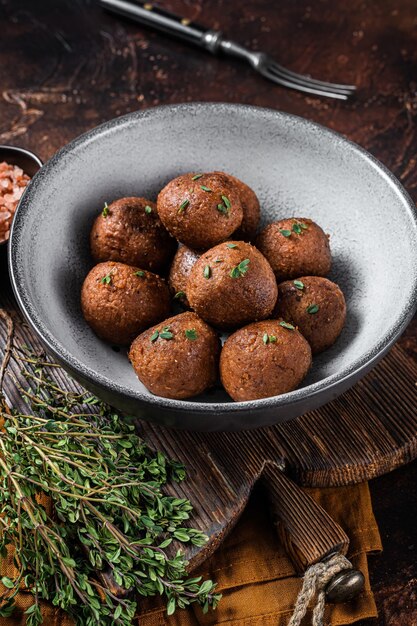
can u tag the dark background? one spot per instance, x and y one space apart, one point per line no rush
65 66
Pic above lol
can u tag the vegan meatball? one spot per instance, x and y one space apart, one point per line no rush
119 301
130 231
232 284
295 247
251 210
200 210
316 306
264 359
184 260
177 358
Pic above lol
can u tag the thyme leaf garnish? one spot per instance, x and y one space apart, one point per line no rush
240 270
287 325
183 205
106 280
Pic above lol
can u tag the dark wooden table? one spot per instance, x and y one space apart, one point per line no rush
65 67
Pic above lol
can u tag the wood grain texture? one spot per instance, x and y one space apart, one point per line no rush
66 67
306 530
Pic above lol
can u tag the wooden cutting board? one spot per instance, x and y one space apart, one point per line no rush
368 431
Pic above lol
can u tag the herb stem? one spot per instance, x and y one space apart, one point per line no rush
112 516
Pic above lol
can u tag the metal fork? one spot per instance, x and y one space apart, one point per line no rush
213 41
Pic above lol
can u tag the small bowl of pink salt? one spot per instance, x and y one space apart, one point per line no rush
17 167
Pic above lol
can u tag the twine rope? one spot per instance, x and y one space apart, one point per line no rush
315 581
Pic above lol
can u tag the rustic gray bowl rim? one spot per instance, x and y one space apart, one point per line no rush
363 362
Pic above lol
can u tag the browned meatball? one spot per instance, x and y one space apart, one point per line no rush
130 231
251 210
119 301
264 359
180 271
200 210
178 358
232 284
295 247
316 306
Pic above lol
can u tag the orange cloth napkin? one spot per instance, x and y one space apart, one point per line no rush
257 579
253 572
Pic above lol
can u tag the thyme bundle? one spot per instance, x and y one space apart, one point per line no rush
110 537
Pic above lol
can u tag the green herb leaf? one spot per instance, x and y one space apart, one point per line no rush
139 273
197 176
299 284
7 582
105 210
222 209
166 333
206 586
207 271
303 226
31 609
297 228
183 205
182 534
191 334
148 209
179 295
285 232
240 270
231 245
226 201
272 338
265 338
154 335
204 188
7 608
218 260
312 309
287 325
106 280
171 606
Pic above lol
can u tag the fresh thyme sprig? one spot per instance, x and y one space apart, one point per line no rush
111 536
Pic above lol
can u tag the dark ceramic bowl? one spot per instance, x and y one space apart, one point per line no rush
26 160
30 163
296 168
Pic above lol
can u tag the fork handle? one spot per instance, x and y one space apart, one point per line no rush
150 15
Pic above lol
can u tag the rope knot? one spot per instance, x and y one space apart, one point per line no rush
315 581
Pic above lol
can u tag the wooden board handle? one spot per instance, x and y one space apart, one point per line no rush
307 531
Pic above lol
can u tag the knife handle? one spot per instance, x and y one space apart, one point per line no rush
153 16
